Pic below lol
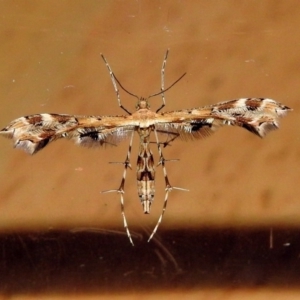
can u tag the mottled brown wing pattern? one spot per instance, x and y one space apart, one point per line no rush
32 133
257 115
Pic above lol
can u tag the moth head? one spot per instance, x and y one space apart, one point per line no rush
142 103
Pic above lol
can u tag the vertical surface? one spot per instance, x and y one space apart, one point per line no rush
50 62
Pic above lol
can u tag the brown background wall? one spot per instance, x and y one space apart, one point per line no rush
50 62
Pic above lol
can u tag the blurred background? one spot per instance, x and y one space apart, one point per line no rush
235 234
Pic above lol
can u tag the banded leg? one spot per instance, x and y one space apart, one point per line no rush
112 76
121 191
168 187
163 82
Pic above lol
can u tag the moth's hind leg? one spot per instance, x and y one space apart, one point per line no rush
168 186
121 191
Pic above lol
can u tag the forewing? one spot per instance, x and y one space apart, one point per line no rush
32 133
257 115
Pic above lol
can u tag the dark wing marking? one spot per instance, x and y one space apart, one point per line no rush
257 115
187 130
32 133
98 136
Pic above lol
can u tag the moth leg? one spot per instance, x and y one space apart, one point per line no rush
168 187
167 142
121 191
163 81
113 79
